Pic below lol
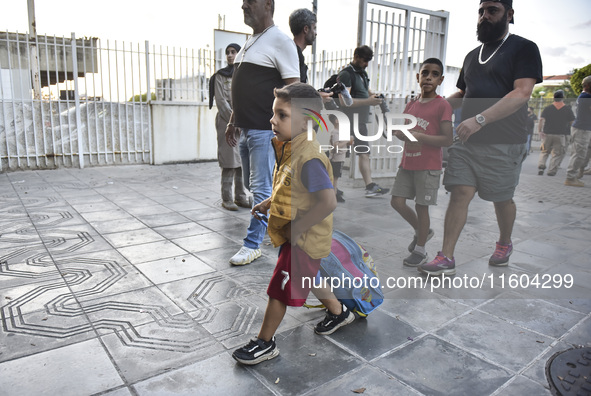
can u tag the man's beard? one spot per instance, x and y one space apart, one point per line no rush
488 32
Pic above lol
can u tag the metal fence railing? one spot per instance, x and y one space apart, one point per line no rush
91 103
76 102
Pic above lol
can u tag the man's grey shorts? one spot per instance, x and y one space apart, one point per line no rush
492 168
419 184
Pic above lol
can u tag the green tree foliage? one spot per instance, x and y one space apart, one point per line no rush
548 92
142 98
577 78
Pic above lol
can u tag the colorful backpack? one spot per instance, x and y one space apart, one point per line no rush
358 284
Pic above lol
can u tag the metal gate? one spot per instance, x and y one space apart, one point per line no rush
402 37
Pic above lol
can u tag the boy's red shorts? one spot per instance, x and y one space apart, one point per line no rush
293 264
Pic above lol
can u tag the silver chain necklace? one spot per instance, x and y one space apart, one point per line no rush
493 54
253 43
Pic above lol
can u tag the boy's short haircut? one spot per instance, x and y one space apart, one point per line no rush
433 61
303 92
333 118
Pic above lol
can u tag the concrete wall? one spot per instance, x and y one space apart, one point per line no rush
183 132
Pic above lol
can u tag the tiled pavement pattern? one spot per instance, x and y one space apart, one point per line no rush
116 281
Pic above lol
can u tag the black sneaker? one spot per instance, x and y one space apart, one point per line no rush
413 244
373 190
415 259
256 351
332 323
340 198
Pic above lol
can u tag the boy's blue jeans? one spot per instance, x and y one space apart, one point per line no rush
258 160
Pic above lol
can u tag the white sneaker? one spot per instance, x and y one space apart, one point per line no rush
245 256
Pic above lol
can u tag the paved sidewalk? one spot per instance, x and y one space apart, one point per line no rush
116 281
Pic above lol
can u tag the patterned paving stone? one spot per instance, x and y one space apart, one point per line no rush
159 352
175 268
148 252
33 333
375 335
367 381
218 375
82 368
62 285
199 243
508 345
540 316
424 313
302 354
435 367
524 386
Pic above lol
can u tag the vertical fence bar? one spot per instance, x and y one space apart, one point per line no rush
142 103
50 102
173 87
68 112
4 93
102 76
13 106
399 57
393 48
118 103
133 101
194 82
87 107
18 53
43 135
149 101
3 97
59 105
30 61
404 59
94 100
125 106
112 118
77 101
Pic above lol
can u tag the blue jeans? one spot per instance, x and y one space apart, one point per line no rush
258 160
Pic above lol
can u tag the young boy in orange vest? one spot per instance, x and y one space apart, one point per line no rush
300 221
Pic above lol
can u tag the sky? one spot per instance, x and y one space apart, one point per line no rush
562 30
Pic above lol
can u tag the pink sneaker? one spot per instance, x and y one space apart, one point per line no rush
500 257
439 265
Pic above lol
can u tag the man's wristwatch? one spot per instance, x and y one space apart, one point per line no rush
480 119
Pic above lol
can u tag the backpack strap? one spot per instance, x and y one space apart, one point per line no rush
352 73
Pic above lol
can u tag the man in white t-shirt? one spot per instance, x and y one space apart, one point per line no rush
268 60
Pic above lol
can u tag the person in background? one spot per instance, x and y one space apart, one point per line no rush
420 169
554 128
337 155
355 78
581 135
531 122
268 60
495 84
228 156
302 24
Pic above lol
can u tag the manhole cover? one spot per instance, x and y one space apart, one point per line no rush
569 372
